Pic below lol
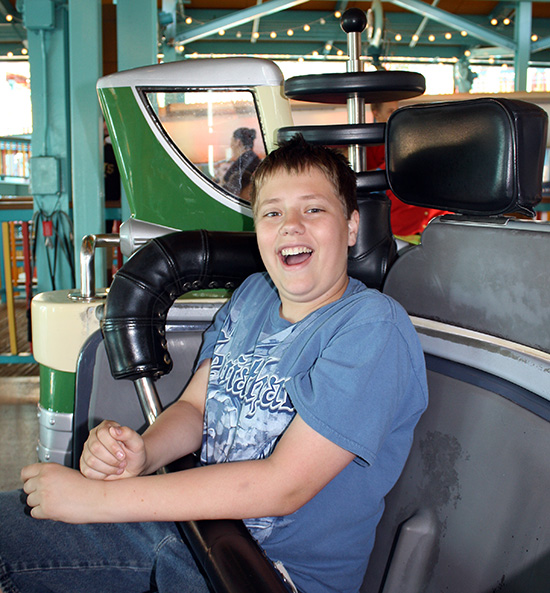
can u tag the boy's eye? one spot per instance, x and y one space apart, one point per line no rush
271 214
315 209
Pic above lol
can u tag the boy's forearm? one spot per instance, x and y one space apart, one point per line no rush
226 491
176 432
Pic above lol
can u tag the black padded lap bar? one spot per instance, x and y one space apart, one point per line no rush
375 87
480 157
232 560
153 278
336 135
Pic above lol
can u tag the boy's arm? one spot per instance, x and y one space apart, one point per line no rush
302 463
113 451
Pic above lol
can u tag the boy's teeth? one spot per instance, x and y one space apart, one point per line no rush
294 251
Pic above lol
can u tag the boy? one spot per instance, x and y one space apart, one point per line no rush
307 390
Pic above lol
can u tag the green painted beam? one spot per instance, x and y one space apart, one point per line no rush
85 67
136 20
522 31
48 57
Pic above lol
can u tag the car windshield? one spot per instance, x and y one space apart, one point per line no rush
217 131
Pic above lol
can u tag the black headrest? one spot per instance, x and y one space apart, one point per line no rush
480 156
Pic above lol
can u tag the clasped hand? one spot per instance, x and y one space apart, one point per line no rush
112 452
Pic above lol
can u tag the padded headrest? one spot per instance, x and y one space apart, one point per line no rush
480 157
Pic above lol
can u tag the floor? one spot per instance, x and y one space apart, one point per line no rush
19 392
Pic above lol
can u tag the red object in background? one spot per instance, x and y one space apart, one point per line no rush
47 228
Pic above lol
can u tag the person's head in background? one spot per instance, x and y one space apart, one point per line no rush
382 111
242 140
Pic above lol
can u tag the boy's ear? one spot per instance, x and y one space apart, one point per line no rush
353 228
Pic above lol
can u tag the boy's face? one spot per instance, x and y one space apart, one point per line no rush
303 236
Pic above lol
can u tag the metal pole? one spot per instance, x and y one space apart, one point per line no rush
355 104
87 257
148 398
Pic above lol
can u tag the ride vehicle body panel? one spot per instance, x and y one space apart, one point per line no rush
171 127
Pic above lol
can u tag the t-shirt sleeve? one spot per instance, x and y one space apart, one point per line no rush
354 393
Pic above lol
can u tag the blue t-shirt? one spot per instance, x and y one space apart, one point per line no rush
354 371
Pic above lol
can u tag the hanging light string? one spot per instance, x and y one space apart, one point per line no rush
275 33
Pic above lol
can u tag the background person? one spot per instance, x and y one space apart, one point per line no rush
237 178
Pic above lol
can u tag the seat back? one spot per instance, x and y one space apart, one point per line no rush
470 511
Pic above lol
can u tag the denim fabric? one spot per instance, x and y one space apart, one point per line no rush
48 556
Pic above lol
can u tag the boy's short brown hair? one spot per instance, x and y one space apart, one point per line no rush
297 155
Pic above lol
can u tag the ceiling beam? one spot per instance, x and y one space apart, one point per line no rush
455 22
237 18
421 27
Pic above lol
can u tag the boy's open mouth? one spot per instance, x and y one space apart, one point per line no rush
293 256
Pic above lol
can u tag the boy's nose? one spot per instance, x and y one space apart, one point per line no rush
292 224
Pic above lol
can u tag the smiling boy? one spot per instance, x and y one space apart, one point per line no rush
307 390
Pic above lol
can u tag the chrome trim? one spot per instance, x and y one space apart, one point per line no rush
521 365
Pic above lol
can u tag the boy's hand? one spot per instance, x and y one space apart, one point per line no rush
60 493
112 452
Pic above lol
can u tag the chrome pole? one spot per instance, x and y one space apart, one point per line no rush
355 104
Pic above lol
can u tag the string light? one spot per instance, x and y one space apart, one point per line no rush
506 21
315 53
448 36
398 37
467 53
180 48
10 54
534 37
340 52
322 21
431 38
221 32
273 34
491 60
238 34
9 18
307 28
415 37
24 51
290 32
255 34
494 22
328 46
337 14
188 20
464 33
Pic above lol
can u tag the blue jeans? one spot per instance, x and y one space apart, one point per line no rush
38 556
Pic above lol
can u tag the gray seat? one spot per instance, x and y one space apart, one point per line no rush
470 511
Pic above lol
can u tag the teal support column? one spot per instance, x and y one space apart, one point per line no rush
86 67
137 43
522 35
46 24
